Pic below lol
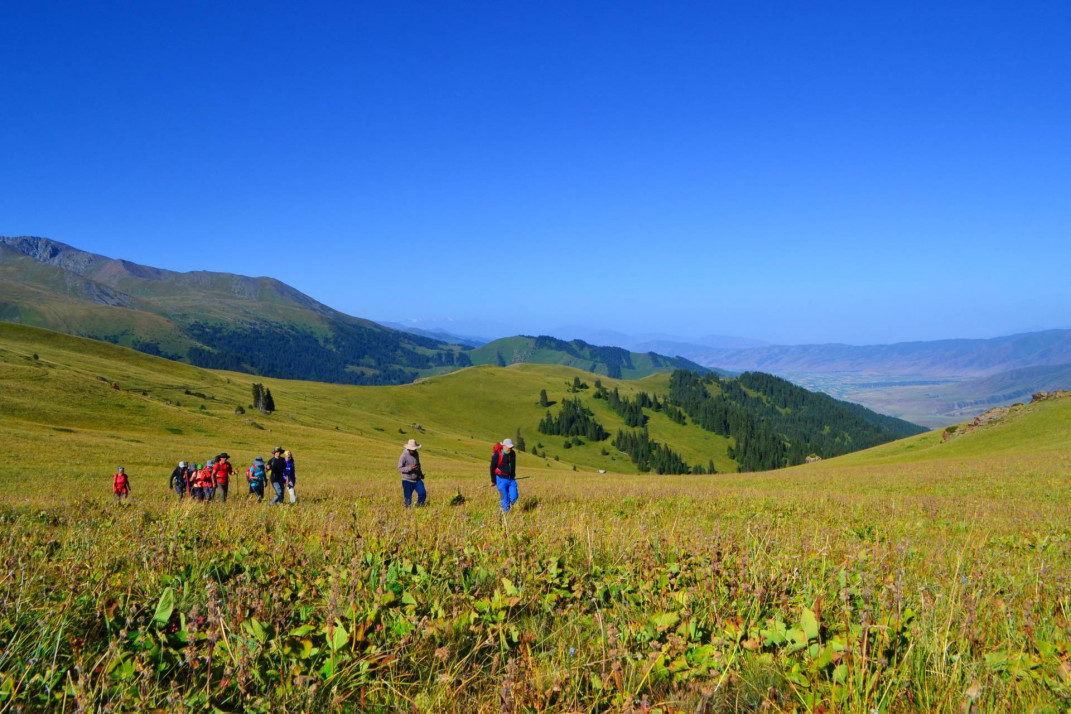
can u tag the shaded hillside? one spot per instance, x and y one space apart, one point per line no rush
774 423
614 362
219 320
256 325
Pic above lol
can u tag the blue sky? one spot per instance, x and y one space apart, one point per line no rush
791 172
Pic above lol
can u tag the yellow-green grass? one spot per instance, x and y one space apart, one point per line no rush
937 575
147 420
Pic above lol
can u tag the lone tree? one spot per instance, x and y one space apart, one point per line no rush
518 440
543 401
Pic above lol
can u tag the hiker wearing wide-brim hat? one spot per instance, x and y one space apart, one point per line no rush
277 470
412 474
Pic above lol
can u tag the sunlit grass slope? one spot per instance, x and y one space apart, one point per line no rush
915 577
90 405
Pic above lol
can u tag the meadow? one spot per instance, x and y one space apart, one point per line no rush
916 576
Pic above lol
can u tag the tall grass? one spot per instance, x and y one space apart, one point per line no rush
596 594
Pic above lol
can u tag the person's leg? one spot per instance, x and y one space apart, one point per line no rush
258 489
503 490
512 491
421 492
407 493
223 491
278 493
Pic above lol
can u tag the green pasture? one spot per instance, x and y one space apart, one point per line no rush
918 576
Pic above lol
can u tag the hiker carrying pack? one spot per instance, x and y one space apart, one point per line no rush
121 484
504 472
179 479
277 472
197 483
256 478
222 474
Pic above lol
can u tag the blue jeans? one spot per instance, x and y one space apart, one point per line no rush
508 488
278 486
407 490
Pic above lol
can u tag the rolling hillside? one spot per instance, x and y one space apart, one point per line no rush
256 325
97 400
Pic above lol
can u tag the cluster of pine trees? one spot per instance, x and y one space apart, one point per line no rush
628 409
573 419
352 355
650 455
757 448
262 398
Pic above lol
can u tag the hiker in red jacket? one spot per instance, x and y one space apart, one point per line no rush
222 474
121 484
504 473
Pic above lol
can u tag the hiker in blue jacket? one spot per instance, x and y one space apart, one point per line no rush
504 473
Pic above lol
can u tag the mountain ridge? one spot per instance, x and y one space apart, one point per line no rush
258 325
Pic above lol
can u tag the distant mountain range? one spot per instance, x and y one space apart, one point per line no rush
436 334
256 325
941 358
930 383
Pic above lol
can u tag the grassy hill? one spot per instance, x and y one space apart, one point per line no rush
105 398
160 411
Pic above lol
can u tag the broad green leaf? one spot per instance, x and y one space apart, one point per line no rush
339 638
165 607
665 620
809 623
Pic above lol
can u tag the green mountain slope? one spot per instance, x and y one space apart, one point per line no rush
612 361
255 325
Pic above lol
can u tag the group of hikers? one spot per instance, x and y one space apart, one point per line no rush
204 482
503 473
207 481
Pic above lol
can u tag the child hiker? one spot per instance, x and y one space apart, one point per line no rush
121 484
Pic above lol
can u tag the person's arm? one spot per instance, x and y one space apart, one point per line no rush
494 458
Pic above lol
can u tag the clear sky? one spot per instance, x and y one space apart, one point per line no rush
792 172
